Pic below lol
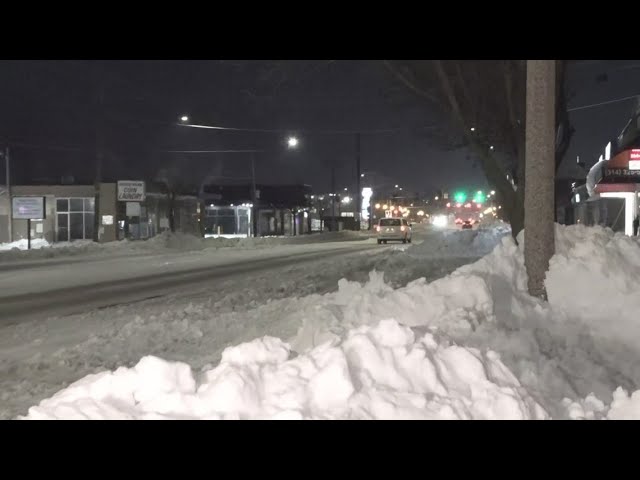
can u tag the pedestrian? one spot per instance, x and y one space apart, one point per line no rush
636 223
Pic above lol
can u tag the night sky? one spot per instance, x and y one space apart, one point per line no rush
47 112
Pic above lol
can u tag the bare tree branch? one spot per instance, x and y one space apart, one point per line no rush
408 83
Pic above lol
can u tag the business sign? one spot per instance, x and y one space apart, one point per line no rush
28 208
634 164
133 209
131 191
367 193
634 154
621 175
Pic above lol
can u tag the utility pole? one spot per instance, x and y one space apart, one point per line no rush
539 192
358 189
254 196
8 179
99 132
333 198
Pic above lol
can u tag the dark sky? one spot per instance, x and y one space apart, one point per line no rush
46 104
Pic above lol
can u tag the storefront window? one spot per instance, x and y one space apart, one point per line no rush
62 205
74 219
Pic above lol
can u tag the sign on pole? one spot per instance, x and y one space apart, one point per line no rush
131 191
28 208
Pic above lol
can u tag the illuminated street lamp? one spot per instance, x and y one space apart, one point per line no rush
292 142
184 118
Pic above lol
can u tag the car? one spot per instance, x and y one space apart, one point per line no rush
467 225
393 229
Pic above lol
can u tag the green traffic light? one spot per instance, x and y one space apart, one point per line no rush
479 197
460 197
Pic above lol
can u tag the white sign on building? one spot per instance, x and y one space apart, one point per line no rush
28 208
133 209
131 191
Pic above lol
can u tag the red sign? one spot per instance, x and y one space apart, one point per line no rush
635 154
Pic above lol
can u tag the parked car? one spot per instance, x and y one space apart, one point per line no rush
393 229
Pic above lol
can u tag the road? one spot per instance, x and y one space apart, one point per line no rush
57 288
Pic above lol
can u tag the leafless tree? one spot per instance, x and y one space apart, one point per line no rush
483 104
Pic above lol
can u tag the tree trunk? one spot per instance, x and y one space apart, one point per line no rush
539 239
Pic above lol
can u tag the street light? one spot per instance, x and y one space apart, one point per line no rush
493 192
292 142
184 118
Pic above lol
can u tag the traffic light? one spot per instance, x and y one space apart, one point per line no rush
479 197
460 197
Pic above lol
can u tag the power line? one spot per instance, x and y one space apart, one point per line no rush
48 147
602 103
306 131
210 151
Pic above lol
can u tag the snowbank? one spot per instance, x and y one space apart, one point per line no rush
36 243
485 348
165 241
462 243
379 372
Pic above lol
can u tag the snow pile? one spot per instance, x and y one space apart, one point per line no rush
594 275
568 358
461 243
568 348
23 244
379 372
166 241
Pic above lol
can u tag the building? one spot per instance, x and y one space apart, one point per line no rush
236 211
609 195
90 212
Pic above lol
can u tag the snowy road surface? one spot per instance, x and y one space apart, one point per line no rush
182 306
54 287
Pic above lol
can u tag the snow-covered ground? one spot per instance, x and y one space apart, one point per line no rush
164 243
471 344
39 357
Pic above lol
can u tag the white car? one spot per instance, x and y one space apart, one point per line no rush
393 229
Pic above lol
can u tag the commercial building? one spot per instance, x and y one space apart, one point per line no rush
238 211
102 212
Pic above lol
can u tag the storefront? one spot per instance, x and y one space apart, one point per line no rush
227 221
69 213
